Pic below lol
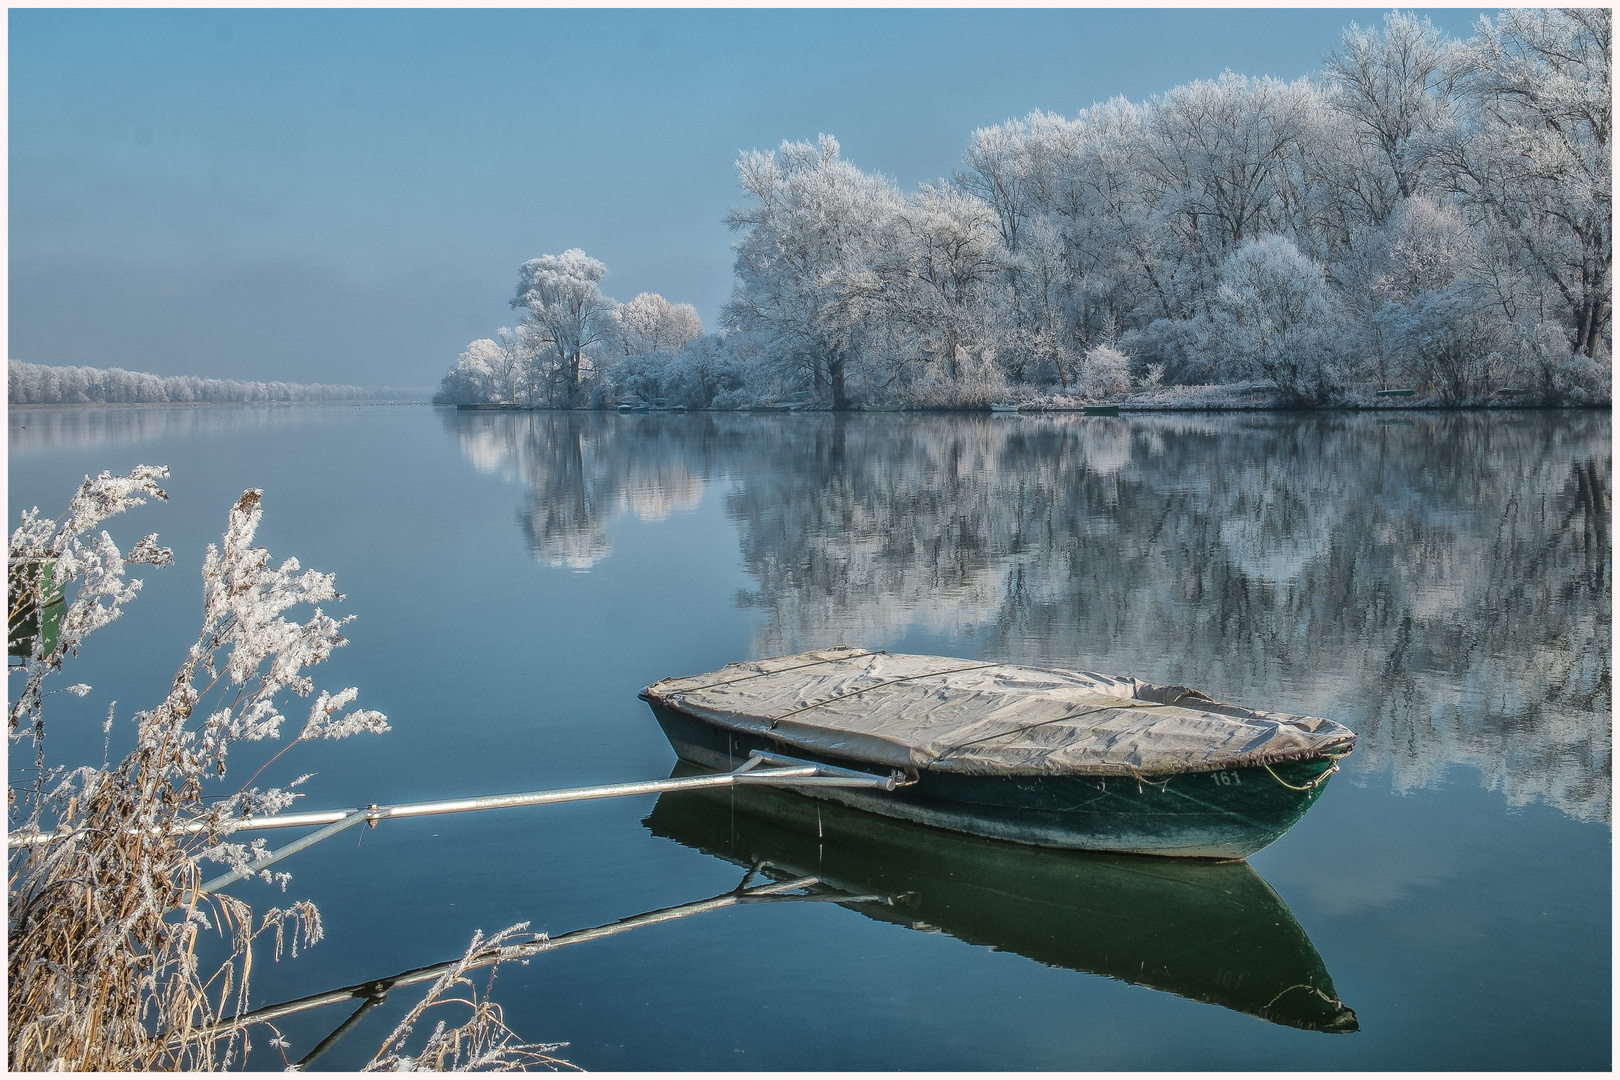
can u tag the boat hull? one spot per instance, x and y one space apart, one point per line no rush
1212 815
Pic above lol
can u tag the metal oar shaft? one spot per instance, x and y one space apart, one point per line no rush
797 773
374 814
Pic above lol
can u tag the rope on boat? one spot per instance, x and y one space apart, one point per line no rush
1326 998
1162 785
1310 785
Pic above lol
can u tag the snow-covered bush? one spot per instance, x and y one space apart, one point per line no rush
1275 320
1453 340
1104 370
639 377
1177 347
707 367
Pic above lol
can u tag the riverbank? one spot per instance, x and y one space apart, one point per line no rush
1219 398
420 399
1196 399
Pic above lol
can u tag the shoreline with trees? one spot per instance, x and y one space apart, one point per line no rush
41 385
1425 215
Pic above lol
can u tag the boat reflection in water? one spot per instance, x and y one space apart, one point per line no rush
1213 932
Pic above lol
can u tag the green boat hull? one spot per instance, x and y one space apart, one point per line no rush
26 622
1209 815
1210 932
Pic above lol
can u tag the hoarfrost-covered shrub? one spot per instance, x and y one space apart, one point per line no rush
1452 339
707 367
1426 246
639 377
1104 370
473 379
1275 320
1177 347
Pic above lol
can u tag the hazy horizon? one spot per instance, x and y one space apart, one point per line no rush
346 196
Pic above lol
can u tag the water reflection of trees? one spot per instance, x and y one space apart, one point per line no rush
582 471
1439 582
47 429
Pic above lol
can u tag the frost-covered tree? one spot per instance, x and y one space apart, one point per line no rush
651 324
806 287
942 284
1532 161
499 369
41 384
1397 87
570 316
474 378
1228 156
1007 172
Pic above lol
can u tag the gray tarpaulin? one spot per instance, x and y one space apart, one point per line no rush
968 716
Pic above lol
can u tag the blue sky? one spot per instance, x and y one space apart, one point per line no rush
346 196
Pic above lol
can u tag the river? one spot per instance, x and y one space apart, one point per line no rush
1439 582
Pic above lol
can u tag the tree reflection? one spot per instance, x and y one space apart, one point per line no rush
582 471
1438 582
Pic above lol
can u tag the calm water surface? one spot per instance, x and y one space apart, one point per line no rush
1440 583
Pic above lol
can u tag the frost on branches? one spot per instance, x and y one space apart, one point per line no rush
48 553
1425 212
105 932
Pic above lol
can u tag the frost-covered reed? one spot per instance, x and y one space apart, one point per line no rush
116 960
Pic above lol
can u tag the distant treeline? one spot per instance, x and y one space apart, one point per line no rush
1424 214
37 384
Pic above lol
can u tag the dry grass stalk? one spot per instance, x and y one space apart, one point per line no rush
483 1041
106 943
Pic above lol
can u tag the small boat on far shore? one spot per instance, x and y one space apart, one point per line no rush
1052 758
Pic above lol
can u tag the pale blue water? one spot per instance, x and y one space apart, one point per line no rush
1440 583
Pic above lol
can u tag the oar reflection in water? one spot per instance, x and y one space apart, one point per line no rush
1212 932
777 888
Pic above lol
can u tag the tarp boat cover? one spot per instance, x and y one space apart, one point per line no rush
945 714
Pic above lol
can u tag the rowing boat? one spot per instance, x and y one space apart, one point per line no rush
1054 758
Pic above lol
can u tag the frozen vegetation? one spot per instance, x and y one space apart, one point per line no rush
1424 214
120 955
38 384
